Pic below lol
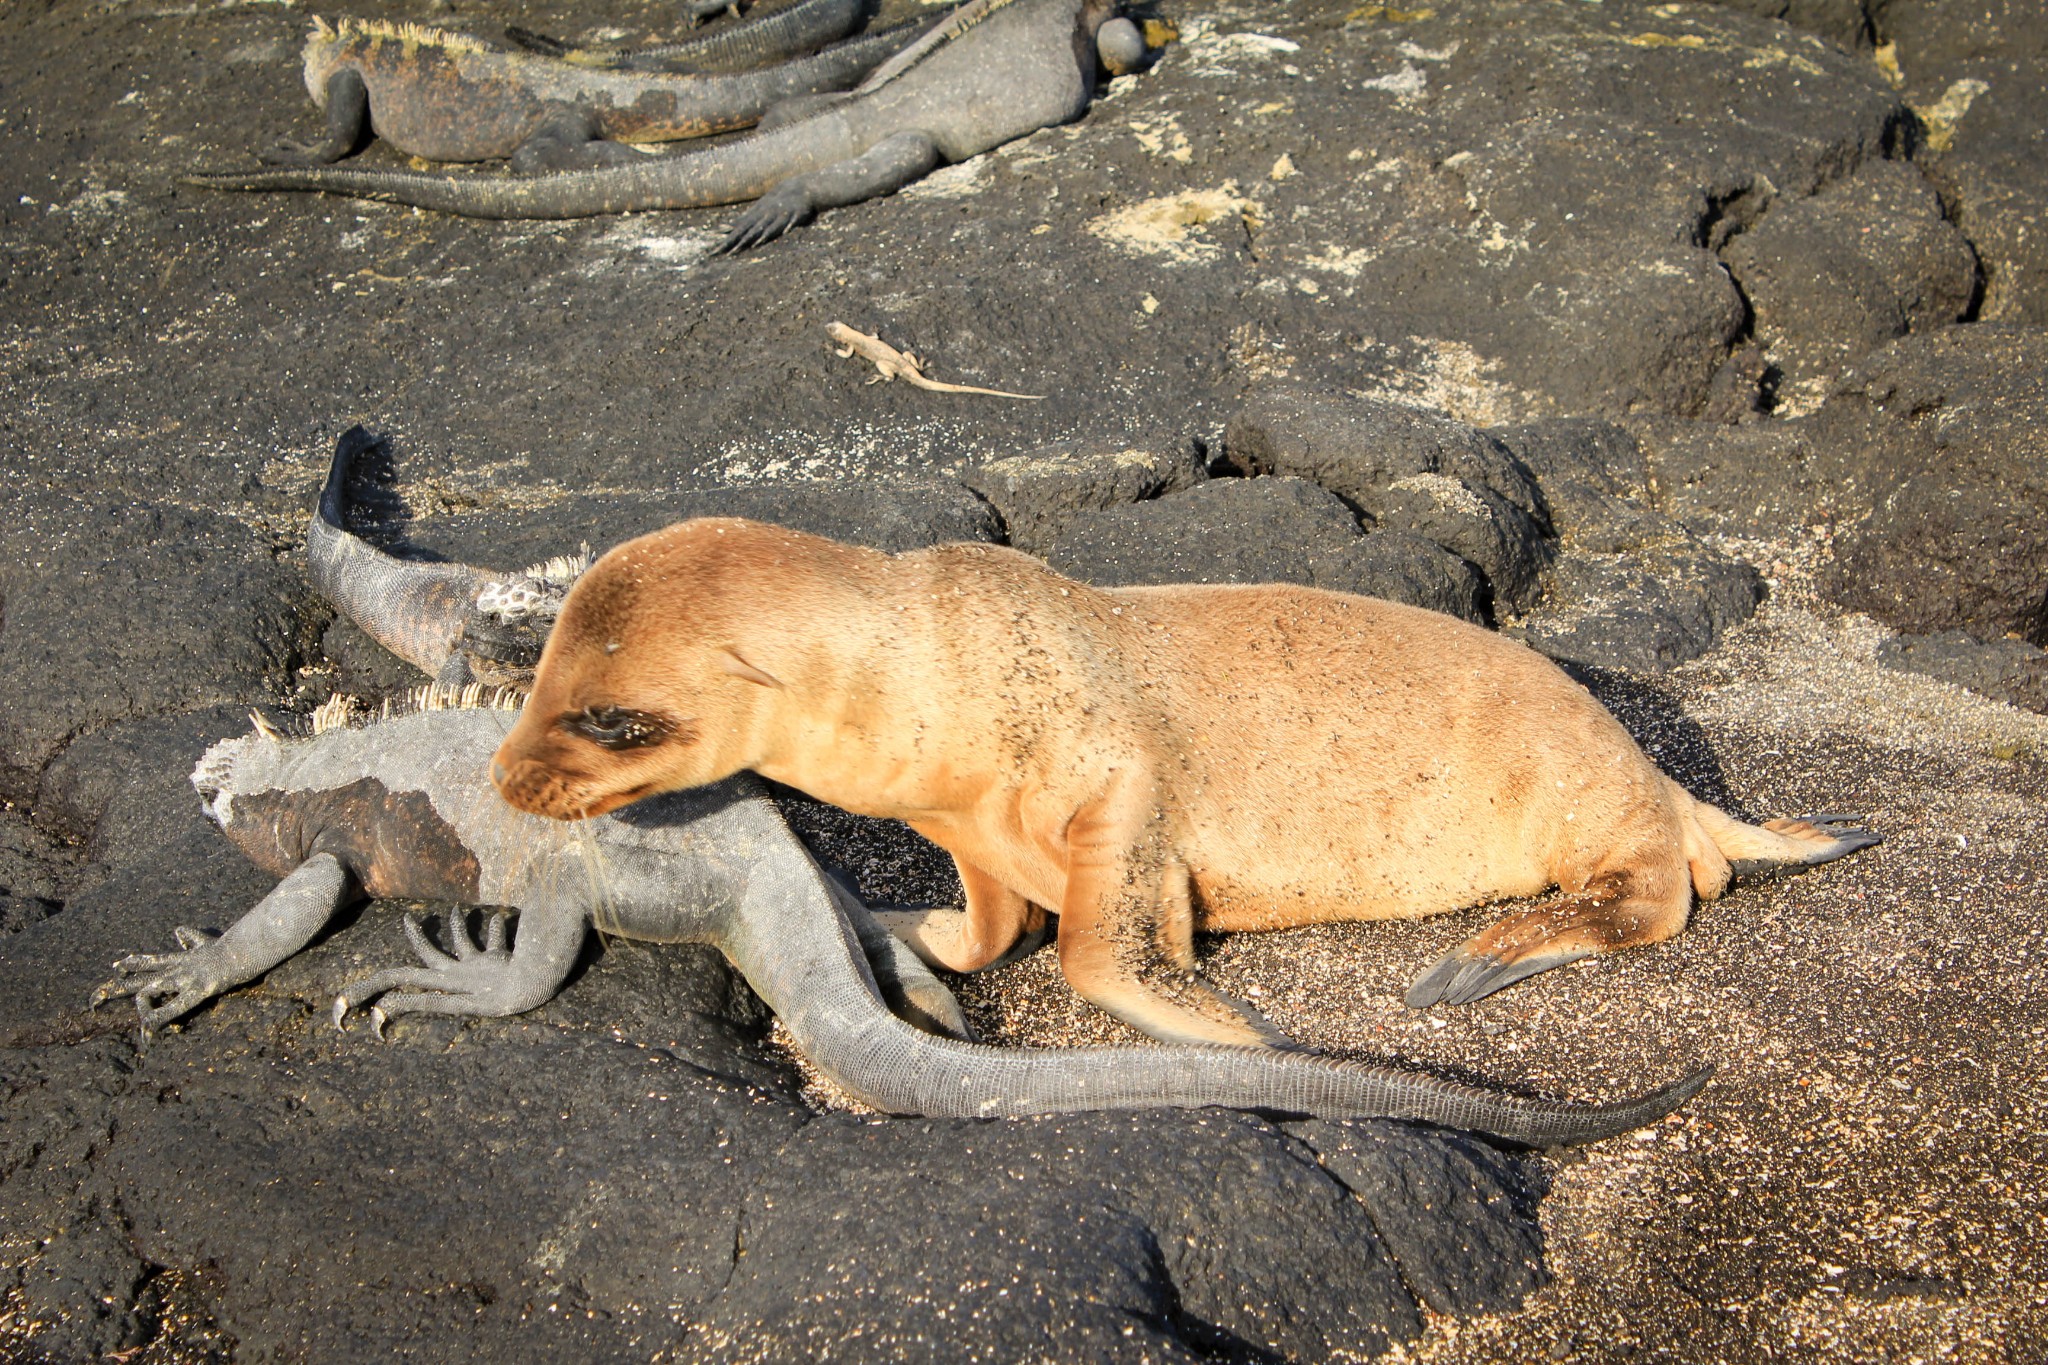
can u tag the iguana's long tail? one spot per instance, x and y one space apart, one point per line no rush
798 952
727 174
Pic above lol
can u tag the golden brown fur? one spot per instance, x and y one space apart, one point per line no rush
1144 761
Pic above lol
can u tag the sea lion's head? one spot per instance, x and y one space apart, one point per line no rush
645 684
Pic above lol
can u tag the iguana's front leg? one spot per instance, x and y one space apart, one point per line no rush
167 986
570 139
487 979
348 125
887 166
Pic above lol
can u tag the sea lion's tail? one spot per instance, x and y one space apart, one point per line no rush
1743 849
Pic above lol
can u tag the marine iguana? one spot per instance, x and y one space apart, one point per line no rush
455 623
401 807
790 31
993 71
448 97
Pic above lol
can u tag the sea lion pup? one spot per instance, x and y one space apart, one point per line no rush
1144 761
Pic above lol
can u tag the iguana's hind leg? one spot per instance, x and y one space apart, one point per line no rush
348 125
568 139
1127 934
887 166
907 984
1617 909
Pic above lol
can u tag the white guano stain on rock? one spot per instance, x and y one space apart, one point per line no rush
1409 83
969 177
1210 53
677 251
1452 377
1167 226
1162 137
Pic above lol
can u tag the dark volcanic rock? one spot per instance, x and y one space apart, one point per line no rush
1407 470
1742 479
1843 21
1223 531
903 514
1867 259
113 609
1629 587
1040 491
1972 69
1649 610
2006 670
514 1191
1959 539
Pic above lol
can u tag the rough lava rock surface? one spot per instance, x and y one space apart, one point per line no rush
1592 322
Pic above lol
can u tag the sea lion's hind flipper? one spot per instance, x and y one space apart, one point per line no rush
1614 911
1795 842
1462 976
348 126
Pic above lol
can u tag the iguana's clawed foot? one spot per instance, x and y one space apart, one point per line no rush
703 11
767 218
475 980
168 986
285 152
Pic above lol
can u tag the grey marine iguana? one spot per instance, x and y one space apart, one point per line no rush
402 807
790 31
448 97
454 623
993 71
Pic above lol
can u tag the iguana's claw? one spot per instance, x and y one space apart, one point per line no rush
767 218
477 979
285 152
166 986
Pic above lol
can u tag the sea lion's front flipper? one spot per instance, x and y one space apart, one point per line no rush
1617 910
1126 937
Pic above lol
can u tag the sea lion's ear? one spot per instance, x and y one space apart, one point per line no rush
740 668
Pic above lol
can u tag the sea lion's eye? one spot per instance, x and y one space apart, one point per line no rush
618 727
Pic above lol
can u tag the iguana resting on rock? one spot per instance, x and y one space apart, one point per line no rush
995 70
790 31
390 807
448 97
455 623
402 807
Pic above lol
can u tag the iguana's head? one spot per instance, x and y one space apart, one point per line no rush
659 674
502 638
337 780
